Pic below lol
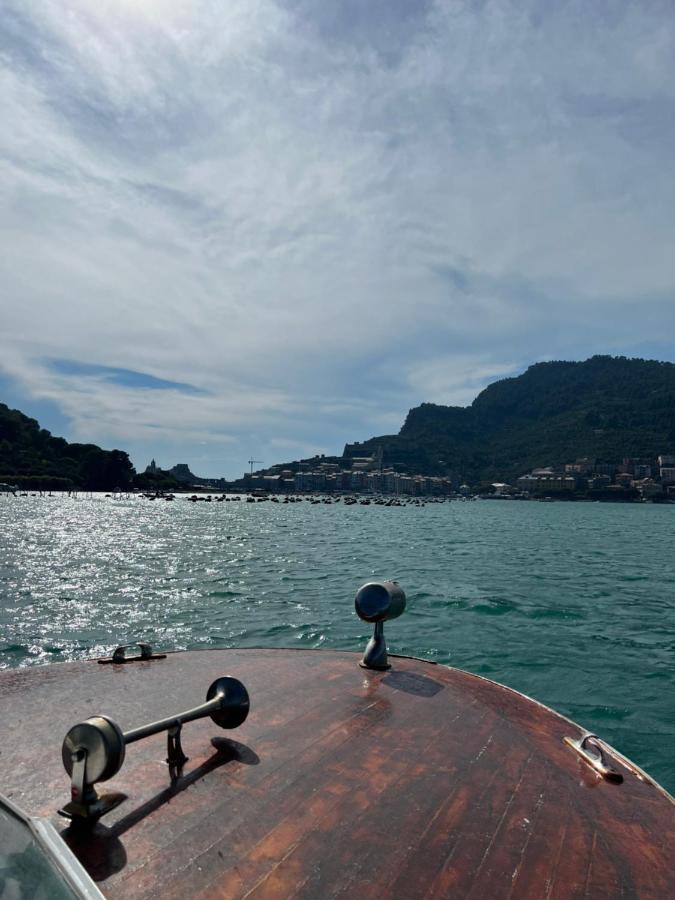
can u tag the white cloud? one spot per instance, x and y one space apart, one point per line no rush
310 219
455 380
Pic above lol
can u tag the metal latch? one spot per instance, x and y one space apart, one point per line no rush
589 748
119 656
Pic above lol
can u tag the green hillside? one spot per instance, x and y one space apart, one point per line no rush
32 458
606 407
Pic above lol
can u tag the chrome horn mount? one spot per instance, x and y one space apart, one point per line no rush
94 750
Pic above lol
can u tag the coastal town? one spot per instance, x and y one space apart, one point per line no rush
649 479
630 479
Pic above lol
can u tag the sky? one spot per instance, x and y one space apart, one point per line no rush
262 229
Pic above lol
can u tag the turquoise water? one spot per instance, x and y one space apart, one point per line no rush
569 603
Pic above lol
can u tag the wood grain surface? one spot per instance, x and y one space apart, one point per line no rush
423 781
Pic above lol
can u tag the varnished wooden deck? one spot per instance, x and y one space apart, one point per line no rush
422 781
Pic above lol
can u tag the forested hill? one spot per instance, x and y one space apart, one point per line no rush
32 458
606 407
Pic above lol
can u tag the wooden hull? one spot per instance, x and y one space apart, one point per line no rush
423 781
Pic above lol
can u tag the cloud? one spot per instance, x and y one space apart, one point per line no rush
124 377
316 215
455 380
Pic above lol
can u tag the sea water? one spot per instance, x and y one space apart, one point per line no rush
570 603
